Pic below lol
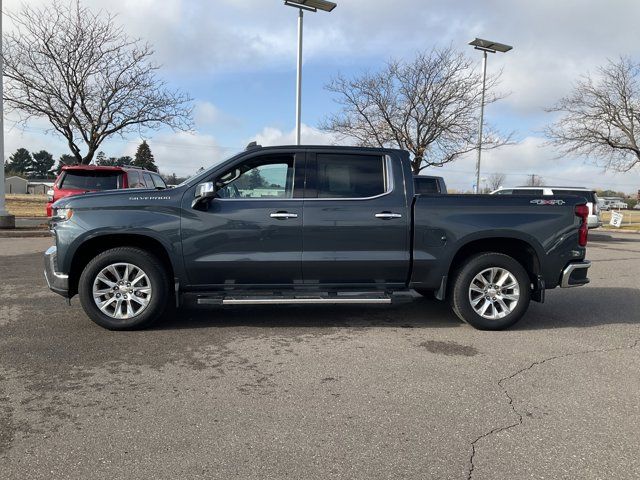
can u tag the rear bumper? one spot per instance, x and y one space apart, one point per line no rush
57 282
575 274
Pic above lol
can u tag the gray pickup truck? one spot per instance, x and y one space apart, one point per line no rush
312 224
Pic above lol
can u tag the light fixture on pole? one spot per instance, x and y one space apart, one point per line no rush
310 6
491 47
6 220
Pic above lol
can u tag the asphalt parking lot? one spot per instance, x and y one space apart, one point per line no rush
402 391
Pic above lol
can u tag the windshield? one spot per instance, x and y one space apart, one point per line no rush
590 196
89 180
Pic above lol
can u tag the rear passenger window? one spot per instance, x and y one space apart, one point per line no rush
134 180
148 181
350 176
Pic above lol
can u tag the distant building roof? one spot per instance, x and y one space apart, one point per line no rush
48 183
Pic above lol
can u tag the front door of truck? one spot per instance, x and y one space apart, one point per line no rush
251 233
356 221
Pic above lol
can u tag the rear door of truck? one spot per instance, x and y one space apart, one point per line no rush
356 220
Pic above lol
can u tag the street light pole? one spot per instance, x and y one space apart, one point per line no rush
484 82
486 46
299 77
6 220
310 6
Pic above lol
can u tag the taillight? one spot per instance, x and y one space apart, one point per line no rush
582 211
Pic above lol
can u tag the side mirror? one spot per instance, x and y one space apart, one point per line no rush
203 191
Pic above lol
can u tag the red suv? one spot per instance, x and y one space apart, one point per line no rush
78 179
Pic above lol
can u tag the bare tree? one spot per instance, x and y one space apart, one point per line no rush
496 180
534 180
601 117
79 70
429 107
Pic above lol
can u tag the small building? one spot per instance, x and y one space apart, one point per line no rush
16 185
39 187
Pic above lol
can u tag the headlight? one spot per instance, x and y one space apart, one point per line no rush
50 195
62 214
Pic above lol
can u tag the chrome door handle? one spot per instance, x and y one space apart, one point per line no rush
283 215
387 215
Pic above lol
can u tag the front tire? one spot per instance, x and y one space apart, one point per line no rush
124 288
491 292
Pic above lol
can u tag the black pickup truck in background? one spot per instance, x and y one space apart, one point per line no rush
312 224
427 184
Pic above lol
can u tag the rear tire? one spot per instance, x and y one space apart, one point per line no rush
491 291
124 288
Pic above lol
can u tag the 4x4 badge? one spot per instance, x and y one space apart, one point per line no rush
548 202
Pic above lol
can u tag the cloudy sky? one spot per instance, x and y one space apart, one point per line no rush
237 60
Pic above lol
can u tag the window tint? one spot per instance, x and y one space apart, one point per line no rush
504 192
158 181
258 178
525 191
89 180
350 176
590 196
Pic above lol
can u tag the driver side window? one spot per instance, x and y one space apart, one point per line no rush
258 178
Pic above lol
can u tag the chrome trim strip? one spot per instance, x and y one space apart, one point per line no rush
569 269
389 185
292 301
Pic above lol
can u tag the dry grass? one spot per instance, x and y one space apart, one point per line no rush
27 205
628 216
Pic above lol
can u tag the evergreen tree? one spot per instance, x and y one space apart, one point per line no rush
103 161
65 160
144 157
256 180
101 157
170 179
21 162
42 164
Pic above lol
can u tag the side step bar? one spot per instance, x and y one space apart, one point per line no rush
294 300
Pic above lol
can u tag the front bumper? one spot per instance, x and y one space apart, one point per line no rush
575 274
58 282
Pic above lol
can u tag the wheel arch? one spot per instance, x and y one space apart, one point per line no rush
96 245
519 249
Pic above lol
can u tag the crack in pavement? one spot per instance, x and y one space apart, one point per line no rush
510 398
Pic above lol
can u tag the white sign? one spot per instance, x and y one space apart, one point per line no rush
616 219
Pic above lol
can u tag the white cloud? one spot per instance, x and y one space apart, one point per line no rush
33 138
308 136
206 114
533 156
183 153
554 42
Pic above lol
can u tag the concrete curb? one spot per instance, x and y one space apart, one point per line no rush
24 233
616 230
